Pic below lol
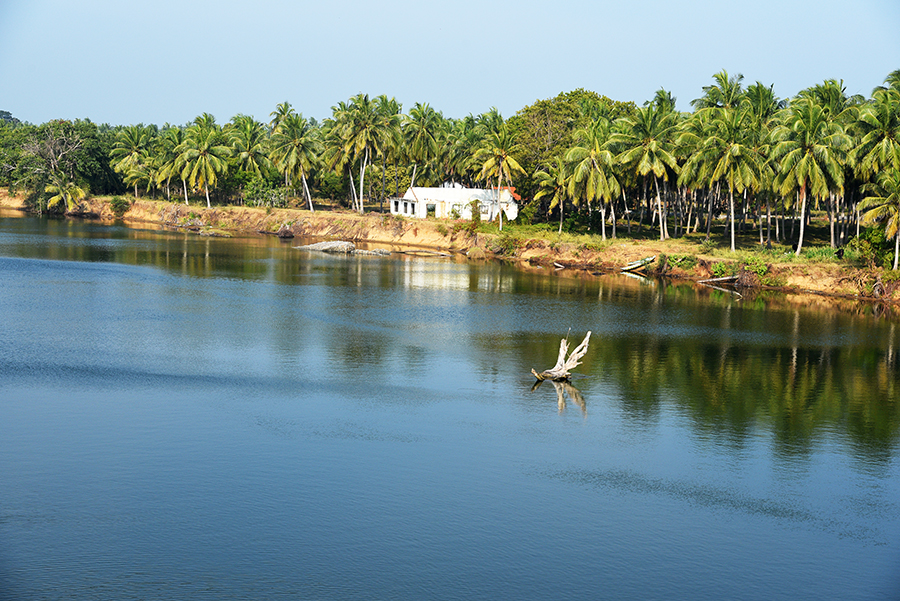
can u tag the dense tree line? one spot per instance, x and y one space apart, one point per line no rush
580 158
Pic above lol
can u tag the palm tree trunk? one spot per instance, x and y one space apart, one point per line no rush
562 203
802 217
362 179
731 206
662 229
352 190
206 189
499 208
306 189
896 248
184 183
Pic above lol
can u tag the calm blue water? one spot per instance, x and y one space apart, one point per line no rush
193 418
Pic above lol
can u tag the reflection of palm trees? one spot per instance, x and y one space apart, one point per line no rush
565 389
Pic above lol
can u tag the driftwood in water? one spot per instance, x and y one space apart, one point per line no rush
560 371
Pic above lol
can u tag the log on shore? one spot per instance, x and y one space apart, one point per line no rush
561 371
334 246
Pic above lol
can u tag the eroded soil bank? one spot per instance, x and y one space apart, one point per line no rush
835 281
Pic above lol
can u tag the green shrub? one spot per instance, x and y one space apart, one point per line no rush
119 205
260 193
872 248
724 270
442 229
507 244
707 246
686 262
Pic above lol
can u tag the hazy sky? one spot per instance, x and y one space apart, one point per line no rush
124 62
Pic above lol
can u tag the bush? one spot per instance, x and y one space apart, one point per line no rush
507 244
872 248
119 205
260 193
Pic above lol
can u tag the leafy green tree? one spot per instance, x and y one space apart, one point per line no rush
51 156
883 206
810 148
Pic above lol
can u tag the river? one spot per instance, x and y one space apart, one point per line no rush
200 418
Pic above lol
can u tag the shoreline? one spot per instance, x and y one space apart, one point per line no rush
840 282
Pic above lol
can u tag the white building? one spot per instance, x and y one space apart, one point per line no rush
455 202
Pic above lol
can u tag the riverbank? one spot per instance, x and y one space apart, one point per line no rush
539 250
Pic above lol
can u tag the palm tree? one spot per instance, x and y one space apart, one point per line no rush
497 161
203 154
130 152
878 125
66 192
592 167
724 93
884 206
296 146
421 130
281 111
364 135
250 143
644 141
168 155
729 152
390 112
810 149
554 184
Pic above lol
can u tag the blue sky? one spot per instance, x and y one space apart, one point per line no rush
169 61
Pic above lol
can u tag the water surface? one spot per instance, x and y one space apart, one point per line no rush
186 417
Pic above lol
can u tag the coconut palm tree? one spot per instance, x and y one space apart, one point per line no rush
726 92
421 130
296 147
644 141
169 157
66 192
364 136
250 143
497 161
810 149
883 206
203 154
390 112
592 166
878 125
554 184
282 110
131 150
729 152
